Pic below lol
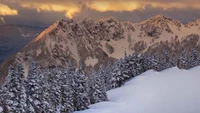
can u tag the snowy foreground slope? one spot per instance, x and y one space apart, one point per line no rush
170 91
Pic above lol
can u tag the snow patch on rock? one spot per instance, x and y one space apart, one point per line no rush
91 61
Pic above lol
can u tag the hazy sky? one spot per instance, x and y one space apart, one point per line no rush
45 12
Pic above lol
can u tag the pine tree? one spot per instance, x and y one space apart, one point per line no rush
68 89
133 65
16 93
91 83
3 101
183 60
193 58
102 76
22 91
45 97
166 61
54 88
117 78
58 109
155 61
139 66
82 100
126 67
108 76
97 94
146 62
67 92
69 105
5 95
33 90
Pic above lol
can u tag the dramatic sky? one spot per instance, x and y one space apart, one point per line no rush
45 12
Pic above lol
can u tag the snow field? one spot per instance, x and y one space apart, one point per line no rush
170 91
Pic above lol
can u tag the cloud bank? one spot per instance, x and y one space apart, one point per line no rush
47 11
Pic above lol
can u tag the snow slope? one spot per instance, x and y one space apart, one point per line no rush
169 91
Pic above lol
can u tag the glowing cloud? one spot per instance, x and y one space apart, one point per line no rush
131 5
117 6
70 10
72 7
5 10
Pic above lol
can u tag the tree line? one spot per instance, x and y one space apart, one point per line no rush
68 90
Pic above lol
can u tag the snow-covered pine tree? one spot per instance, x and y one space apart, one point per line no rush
146 63
125 67
71 83
33 89
58 109
174 58
133 65
182 62
22 90
70 74
117 78
140 65
91 83
166 61
5 94
67 92
82 100
108 75
14 84
45 97
54 88
97 94
3 101
102 76
155 61
69 102
193 58
103 79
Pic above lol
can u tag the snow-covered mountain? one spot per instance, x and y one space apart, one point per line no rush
15 37
96 42
170 91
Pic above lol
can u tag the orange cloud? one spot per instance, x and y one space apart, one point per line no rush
178 5
131 5
117 6
70 10
5 10
71 7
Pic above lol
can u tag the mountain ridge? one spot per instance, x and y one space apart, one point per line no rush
96 42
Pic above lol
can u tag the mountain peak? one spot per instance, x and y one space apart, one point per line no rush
161 21
109 20
194 23
47 30
157 24
159 18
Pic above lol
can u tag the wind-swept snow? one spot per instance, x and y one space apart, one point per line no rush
169 91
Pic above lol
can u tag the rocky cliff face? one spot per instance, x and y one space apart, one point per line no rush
96 42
